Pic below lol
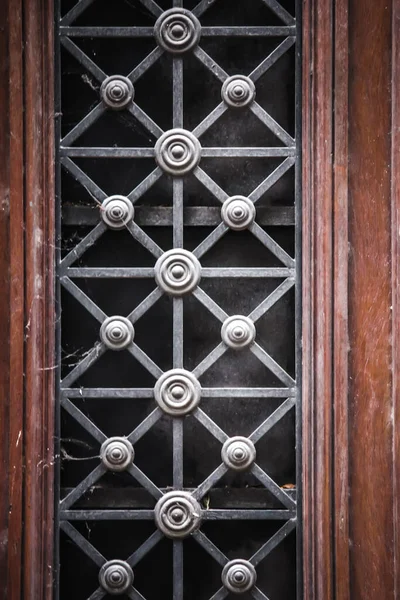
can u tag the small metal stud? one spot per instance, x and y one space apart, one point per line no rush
177 152
238 212
117 453
177 272
177 392
238 453
239 576
116 577
177 514
117 92
238 91
177 30
117 211
238 332
117 333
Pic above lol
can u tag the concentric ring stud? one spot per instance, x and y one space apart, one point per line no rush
116 577
177 514
117 333
117 453
177 152
177 272
117 212
238 332
177 30
238 212
177 392
238 453
239 576
238 91
117 92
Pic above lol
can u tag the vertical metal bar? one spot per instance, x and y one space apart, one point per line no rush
178 333
177 570
178 212
177 92
177 432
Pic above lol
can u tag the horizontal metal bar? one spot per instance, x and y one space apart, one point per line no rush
247 31
106 515
246 272
247 515
106 272
247 152
161 216
102 32
112 393
248 392
96 152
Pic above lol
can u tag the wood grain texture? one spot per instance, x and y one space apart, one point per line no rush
370 372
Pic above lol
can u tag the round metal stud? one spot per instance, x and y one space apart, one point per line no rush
117 92
117 453
177 392
238 453
238 91
177 152
117 211
239 576
117 333
177 514
238 212
238 332
177 30
116 577
177 272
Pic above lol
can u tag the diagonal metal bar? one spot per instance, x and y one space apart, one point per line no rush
209 303
210 119
145 548
83 59
277 129
209 482
145 425
144 481
272 58
273 542
210 240
272 179
75 11
210 360
272 245
152 7
82 487
210 547
221 594
210 64
210 184
202 7
145 305
177 453
98 594
83 543
177 349
276 295
142 237
280 11
273 366
273 487
258 594
134 594
145 65
145 120
83 245
177 570
145 360
272 420
95 353
209 424
94 190
145 185
83 125
83 299
83 420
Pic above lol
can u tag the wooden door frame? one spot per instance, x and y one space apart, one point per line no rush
345 474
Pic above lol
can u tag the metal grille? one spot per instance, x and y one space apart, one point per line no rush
177 279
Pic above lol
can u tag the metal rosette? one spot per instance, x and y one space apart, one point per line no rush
117 333
238 453
117 453
177 30
116 577
177 514
177 272
238 332
177 152
239 576
117 211
238 212
238 91
117 92
177 392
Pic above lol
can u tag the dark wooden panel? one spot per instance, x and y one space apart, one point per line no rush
370 385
